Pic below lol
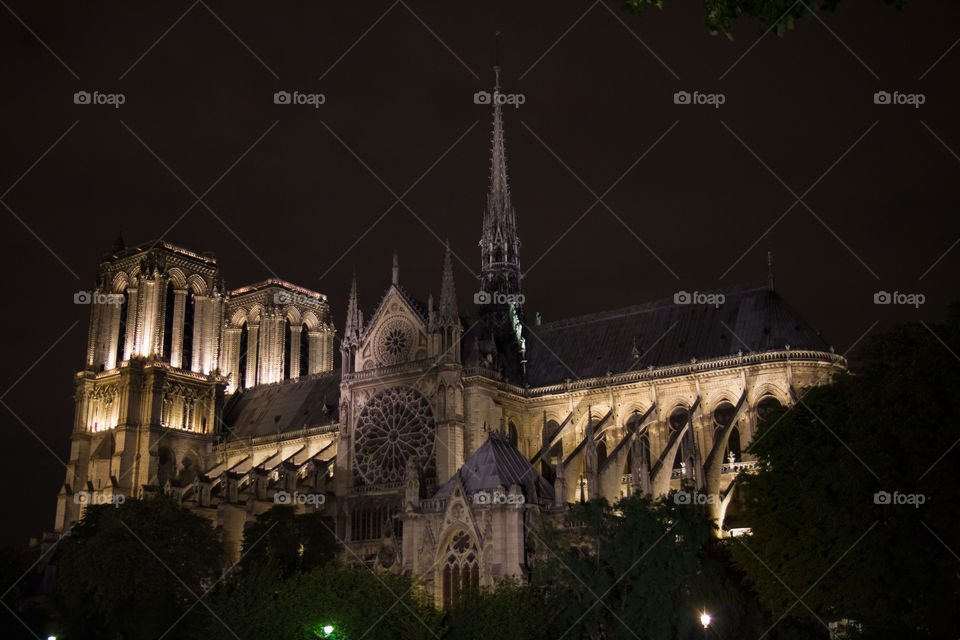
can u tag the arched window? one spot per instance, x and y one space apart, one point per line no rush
766 406
122 331
677 420
601 453
168 323
722 417
461 571
287 345
304 350
242 359
512 434
550 430
187 361
166 466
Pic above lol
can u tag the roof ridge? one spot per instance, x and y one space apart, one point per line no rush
642 307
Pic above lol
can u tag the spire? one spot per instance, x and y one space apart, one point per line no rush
396 268
118 244
499 243
448 295
770 270
351 329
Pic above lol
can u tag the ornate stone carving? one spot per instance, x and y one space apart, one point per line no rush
393 426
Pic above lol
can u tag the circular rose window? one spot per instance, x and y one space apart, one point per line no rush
393 426
394 341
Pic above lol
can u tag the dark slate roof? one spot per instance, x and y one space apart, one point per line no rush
497 463
306 402
752 318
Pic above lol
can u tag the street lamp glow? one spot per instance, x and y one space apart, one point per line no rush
705 619
327 630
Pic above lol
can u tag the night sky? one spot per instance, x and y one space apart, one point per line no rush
310 194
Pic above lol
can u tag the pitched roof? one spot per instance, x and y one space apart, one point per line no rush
497 463
662 333
285 406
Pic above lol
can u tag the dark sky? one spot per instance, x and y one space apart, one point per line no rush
307 202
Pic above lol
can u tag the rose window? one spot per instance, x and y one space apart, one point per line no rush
394 341
395 425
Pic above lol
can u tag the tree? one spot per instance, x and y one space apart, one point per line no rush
292 541
133 570
258 602
854 507
642 567
486 613
777 14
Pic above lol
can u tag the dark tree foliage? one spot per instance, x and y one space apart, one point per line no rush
358 602
291 541
134 570
643 568
836 510
491 613
781 15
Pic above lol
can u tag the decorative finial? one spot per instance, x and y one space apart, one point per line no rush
396 268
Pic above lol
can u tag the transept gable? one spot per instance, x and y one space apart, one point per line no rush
396 333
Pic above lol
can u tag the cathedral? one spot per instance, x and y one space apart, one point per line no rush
443 435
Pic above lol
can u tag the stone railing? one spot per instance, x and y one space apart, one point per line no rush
671 371
737 467
378 488
433 505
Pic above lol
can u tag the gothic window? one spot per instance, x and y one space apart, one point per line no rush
601 453
461 571
168 323
393 426
373 523
287 345
122 331
550 430
188 313
512 434
394 341
722 417
242 359
166 465
766 406
304 351
677 420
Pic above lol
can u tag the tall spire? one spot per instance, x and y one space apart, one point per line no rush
353 325
499 243
448 296
396 268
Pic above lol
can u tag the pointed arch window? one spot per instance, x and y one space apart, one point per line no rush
304 350
461 571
